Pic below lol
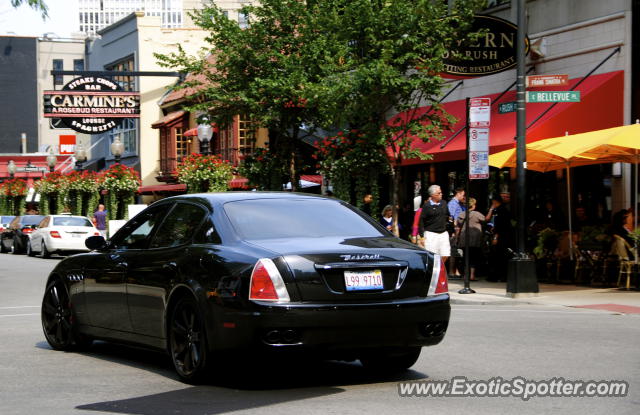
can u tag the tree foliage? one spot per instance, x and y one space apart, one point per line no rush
337 64
34 4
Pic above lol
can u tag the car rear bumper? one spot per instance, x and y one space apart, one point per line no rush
75 244
335 327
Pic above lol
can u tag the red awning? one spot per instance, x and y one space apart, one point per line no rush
162 188
601 107
172 116
191 133
315 178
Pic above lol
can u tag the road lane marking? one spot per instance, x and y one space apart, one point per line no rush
18 315
21 306
510 310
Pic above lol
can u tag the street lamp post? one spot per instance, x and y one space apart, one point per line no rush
205 132
51 160
80 155
117 148
11 168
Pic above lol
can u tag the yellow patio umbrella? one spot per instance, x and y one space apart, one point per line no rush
618 144
539 158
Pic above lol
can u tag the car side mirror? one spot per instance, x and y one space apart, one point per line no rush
96 243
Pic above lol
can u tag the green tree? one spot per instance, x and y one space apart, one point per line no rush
267 70
340 64
396 50
34 4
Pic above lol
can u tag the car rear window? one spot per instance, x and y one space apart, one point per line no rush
6 219
71 222
31 219
296 218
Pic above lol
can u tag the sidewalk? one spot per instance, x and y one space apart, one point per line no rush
494 293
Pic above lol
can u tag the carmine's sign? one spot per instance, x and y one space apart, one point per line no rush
494 51
91 105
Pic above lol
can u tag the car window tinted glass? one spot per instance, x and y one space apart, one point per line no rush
207 234
179 226
294 218
136 234
32 219
71 222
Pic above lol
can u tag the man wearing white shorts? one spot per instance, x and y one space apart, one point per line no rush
433 222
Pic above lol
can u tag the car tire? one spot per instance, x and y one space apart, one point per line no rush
15 250
390 360
3 249
58 321
188 341
44 252
29 250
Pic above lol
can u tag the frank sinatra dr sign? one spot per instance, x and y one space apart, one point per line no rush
91 105
494 51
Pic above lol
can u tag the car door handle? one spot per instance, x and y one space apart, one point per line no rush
170 266
120 266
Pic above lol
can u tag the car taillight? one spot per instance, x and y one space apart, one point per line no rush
27 230
439 283
54 234
97 234
267 283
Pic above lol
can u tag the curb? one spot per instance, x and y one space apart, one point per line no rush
453 300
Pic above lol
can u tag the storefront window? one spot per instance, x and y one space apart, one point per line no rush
57 66
126 130
182 144
246 135
127 83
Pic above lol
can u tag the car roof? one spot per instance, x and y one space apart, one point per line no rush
68 216
224 197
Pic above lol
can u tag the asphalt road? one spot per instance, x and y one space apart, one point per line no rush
483 342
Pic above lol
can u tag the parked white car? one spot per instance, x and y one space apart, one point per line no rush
61 233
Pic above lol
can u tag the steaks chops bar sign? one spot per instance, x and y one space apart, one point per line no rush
494 51
91 105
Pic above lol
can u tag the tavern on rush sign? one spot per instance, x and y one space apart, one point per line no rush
494 51
91 105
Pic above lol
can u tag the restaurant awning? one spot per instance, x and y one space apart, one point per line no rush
172 116
163 188
601 106
191 133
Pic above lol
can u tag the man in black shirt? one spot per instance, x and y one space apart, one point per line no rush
433 223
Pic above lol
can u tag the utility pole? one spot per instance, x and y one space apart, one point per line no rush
521 274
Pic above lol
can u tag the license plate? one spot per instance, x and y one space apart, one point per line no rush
363 280
75 235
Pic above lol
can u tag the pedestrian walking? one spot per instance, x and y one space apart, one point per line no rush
502 239
100 216
433 223
456 207
477 223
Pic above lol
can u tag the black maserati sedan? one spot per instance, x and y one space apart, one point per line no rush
201 276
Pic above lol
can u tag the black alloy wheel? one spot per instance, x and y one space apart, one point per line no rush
57 317
44 252
187 341
390 360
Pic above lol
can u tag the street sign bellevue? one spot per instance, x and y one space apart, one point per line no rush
547 80
553 96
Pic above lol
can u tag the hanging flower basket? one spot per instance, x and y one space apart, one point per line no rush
205 173
121 183
82 192
52 190
12 197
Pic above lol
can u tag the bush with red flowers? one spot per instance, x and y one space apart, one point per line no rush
12 197
205 173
